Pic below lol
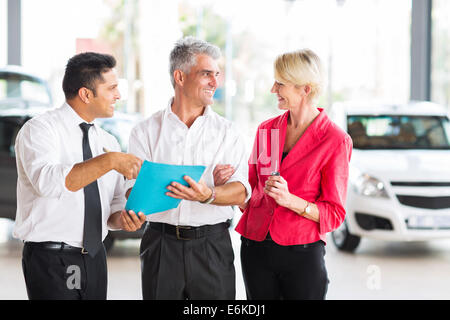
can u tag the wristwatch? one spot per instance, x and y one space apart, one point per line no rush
307 209
212 198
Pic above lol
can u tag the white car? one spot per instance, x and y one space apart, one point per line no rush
399 181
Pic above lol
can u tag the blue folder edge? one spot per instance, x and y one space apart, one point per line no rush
149 192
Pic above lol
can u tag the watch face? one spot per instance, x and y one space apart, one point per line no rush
308 209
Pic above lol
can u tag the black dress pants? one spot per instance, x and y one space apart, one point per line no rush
196 269
273 272
63 275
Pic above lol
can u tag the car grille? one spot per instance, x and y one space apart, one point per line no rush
425 202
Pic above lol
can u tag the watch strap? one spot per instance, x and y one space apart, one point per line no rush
307 208
212 198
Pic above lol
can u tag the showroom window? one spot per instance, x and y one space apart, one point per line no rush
364 46
3 30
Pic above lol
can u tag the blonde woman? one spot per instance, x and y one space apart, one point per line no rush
298 172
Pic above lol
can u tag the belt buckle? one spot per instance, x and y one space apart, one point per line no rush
177 230
83 251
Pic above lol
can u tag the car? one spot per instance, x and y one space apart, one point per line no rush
22 96
120 126
399 176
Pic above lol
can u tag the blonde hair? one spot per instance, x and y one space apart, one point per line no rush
301 67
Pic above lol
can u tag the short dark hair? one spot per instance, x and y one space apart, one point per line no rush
83 70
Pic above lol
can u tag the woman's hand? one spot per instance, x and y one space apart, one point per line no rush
222 173
277 188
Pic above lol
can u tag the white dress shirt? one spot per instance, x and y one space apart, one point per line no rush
47 147
211 140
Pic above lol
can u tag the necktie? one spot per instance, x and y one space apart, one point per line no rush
92 234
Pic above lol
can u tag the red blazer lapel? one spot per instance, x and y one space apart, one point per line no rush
312 137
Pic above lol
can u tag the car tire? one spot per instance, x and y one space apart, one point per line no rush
108 242
344 240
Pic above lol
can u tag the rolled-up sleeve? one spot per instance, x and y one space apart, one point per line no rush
38 155
334 179
138 146
118 202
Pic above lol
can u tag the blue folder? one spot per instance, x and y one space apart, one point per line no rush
149 192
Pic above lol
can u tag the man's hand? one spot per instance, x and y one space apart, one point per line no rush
126 164
131 221
86 172
222 173
195 192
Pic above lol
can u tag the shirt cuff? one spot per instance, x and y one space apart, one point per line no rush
129 184
118 206
245 183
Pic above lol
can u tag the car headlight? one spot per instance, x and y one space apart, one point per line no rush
369 186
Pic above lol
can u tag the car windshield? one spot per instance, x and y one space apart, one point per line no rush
399 132
18 90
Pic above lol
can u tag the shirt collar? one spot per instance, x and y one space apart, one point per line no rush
168 112
73 118
169 109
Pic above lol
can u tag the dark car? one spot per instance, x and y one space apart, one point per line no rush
22 96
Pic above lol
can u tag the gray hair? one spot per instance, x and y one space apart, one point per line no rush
183 55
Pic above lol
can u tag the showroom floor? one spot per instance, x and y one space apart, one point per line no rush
378 270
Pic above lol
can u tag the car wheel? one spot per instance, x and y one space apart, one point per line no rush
344 240
108 242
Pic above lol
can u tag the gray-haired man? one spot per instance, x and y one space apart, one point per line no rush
186 253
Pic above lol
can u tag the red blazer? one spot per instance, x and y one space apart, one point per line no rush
316 169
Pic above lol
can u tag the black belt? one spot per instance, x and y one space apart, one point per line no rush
188 232
269 240
57 246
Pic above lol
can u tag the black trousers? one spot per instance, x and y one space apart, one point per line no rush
63 275
174 269
273 272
